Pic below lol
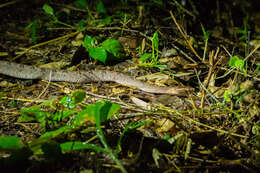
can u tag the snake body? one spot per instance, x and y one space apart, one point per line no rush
32 72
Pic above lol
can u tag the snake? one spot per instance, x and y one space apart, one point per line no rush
23 71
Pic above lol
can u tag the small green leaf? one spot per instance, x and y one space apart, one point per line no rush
10 143
68 102
101 8
89 42
48 9
98 53
77 145
227 96
1 95
78 96
155 40
237 63
113 47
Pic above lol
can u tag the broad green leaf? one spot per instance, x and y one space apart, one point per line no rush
89 42
77 145
100 111
113 47
10 143
98 53
101 8
48 9
78 96
1 95
113 109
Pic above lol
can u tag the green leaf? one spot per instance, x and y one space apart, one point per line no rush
113 47
48 9
10 143
1 95
78 96
155 40
144 57
55 133
256 70
237 63
227 96
68 102
77 145
89 42
61 115
101 8
100 111
98 53
33 113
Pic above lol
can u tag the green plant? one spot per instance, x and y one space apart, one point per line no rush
239 64
244 36
108 51
206 35
49 10
74 116
152 58
33 29
235 63
257 67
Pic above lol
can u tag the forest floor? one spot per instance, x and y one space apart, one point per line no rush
211 47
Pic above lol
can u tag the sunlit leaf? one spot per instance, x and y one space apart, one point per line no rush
99 54
89 42
68 102
113 47
155 40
